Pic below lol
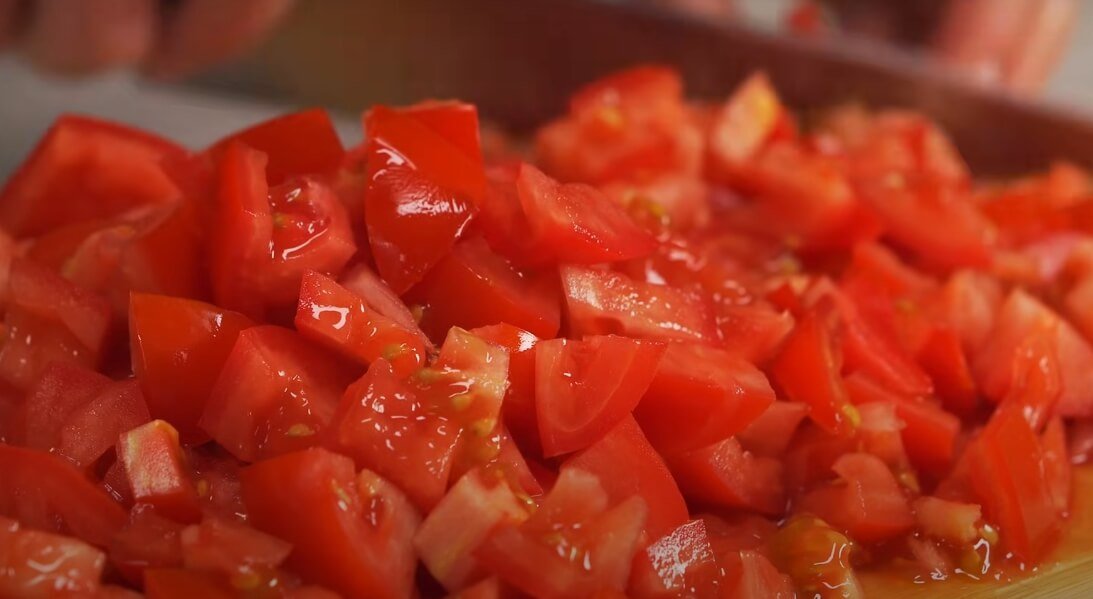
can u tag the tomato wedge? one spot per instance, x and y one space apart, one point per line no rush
725 475
584 388
681 563
807 370
282 137
41 564
156 471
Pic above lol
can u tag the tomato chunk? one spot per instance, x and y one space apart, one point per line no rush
276 393
41 564
807 369
725 475
156 470
348 532
870 507
584 388
92 429
681 563
699 396
178 348
336 317
283 137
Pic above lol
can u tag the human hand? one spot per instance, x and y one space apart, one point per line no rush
162 37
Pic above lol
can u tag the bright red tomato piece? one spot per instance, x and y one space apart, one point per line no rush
646 475
297 144
771 432
156 471
177 583
93 169
349 532
725 475
41 564
563 549
492 291
577 223
870 505
602 302
807 370
148 540
234 549
744 124
178 347
379 297
681 563
276 393
584 388
56 395
336 317
518 408
700 395
92 429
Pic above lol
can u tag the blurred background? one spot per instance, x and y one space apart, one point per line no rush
196 115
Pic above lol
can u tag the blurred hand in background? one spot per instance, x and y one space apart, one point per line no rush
163 37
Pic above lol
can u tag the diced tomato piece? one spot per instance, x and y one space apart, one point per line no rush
871 506
85 168
350 533
744 124
501 218
754 332
699 396
725 475
602 302
755 576
178 348
147 540
422 191
951 521
514 468
1057 464
275 394
461 522
815 556
156 471
45 492
487 588
41 564
1019 316
382 422
678 201
340 319
64 322
564 549
92 429
491 292
807 369
518 408
177 583
297 144
267 238
379 297
770 433
970 303
584 388
456 122
55 396
1010 481
234 549
680 564
944 360
646 475
578 224
216 477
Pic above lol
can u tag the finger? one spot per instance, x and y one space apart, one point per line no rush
978 35
1041 43
89 35
204 32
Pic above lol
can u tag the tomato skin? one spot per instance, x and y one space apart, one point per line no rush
584 388
681 563
349 533
943 358
45 492
871 507
375 424
492 292
282 138
332 315
379 297
92 429
461 522
807 370
92 167
66 322
178 347
577 223
771 432
456 122
647 476
725 475
156 470
580 559
602 302
41 564
58 393
518 408
700 395
275 394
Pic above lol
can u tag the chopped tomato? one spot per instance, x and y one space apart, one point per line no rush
246 556
56 395
283 137
156 471
348 532
757 577
176 583
870 506
92 169
178 347
602 302
744 124
584 388
725 475
276 393
379 297
815 556
770 433
681 563
563 549
147 540
943 358
492 292
518 408
92 428
700 395
807 369
41 564
340 319
648 477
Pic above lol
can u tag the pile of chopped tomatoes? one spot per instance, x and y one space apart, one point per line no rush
671 350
